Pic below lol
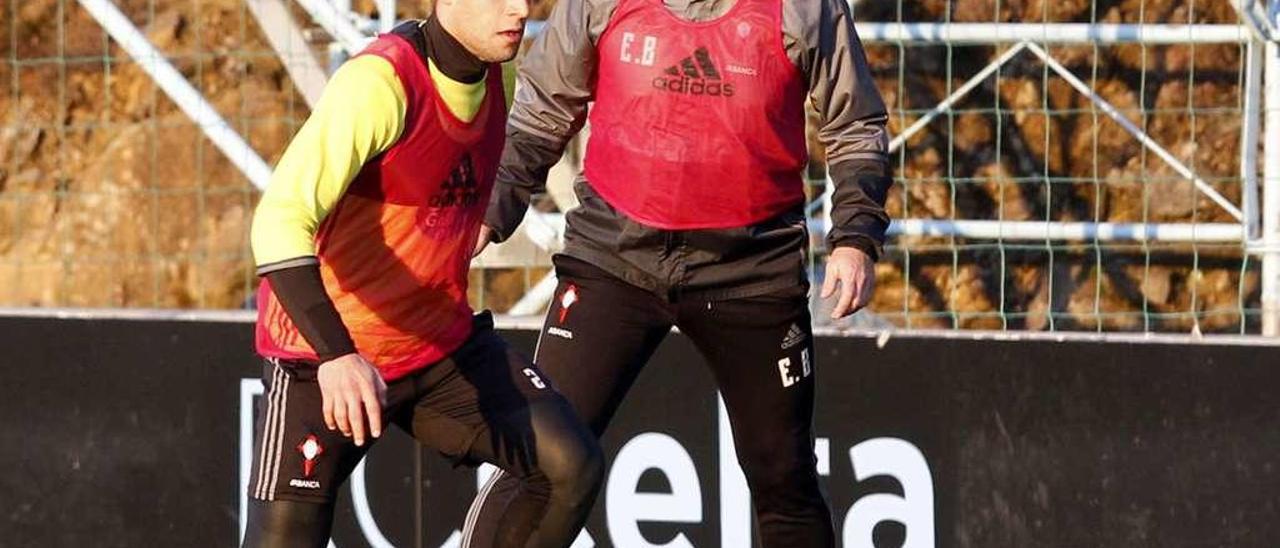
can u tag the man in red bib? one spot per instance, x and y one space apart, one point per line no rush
363 239
692 214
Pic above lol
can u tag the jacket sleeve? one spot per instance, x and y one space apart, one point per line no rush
820 37
555 83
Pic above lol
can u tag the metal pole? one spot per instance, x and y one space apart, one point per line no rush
337 23
286 39
1050 33
535 300
828 191
1138 133
177 88
955 96
1271 195
1249 131
1057 230
386 15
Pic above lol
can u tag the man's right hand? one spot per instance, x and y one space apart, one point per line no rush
482 240
352 390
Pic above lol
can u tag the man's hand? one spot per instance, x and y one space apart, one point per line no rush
482 240
352 389
857 276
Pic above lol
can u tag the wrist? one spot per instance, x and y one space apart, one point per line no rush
340 358
336 350
860 243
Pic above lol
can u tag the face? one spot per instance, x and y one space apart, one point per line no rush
490 29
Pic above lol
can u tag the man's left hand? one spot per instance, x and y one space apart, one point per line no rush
856 273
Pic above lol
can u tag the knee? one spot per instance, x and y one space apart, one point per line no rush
574 471
776 476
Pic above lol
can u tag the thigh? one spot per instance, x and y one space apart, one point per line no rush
483 383
760 351
598 334
297 458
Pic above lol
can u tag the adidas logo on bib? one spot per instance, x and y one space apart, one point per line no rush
694 75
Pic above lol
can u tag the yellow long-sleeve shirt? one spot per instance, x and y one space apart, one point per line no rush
360 115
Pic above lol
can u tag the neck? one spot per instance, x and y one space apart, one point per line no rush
449 55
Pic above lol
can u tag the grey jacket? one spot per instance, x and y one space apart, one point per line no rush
557 80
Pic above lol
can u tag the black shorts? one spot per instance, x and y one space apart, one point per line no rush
446 406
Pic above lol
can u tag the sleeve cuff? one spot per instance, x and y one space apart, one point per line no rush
860 242
295 262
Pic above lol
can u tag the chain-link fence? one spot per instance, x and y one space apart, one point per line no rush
1093 173
1085 176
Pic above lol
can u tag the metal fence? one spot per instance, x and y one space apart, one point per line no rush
1058 166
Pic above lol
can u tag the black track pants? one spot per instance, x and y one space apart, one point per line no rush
485 403
600 331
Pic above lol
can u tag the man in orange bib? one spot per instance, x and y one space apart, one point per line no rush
363 240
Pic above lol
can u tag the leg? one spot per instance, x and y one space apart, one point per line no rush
487 403
598 334
556 487
761 354
299 463
288 524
